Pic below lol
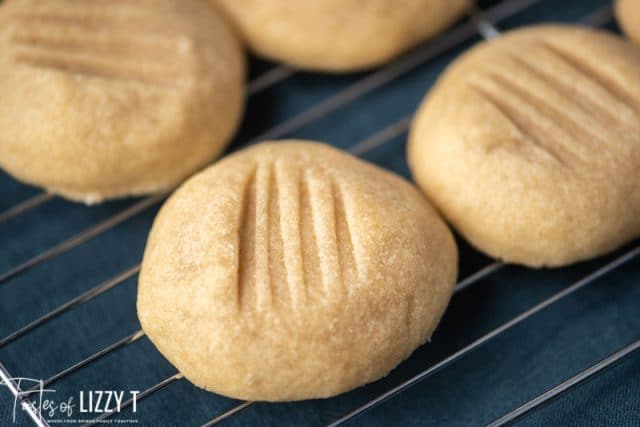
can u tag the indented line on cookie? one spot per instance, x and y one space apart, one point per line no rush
161 52
290 221
262 256
278 279
345 240
92 69
108 20
310 251
246 238
322 209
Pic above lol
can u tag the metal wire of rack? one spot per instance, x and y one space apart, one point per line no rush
483 23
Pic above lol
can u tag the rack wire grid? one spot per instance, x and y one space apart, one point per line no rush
512 348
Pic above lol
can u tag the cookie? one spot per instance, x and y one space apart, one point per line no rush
530 145
339 35
628 14
110 99
293 271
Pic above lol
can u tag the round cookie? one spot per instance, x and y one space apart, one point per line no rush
339 35
109 99
293 271
530 145
628 14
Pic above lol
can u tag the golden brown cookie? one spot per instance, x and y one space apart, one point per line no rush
107 99
530 145
339 35
292 271
628 14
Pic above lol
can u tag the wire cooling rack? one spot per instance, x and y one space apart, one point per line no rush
513 347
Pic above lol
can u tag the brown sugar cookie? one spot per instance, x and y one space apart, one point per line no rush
339 35
628 14
108 99
530 145
292 271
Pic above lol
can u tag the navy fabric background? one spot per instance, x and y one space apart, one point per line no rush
511 369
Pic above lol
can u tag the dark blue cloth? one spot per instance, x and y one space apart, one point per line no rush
509 370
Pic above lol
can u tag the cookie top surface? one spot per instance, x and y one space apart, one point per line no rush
105 99
530 145
339 35
628 14
292 271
